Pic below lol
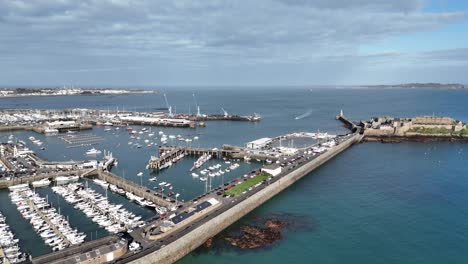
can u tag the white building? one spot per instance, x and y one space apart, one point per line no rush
61 124
272 169
259 143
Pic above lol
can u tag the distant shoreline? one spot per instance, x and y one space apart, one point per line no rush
438 86
37 92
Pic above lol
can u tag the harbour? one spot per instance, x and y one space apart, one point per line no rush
188 212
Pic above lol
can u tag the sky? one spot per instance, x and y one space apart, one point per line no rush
232 42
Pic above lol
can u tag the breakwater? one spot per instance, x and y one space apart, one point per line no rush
187 243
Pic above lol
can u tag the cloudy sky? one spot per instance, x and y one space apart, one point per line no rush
232 42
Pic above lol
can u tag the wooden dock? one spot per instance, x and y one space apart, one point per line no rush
165 157
47 220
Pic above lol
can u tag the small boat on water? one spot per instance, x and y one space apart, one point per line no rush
202 178
93 151
140 174
194 175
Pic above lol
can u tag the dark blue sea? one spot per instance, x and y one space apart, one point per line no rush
374 203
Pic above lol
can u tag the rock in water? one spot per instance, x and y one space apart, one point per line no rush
208 243
257 237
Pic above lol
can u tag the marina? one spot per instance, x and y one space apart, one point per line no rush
53 228
200 177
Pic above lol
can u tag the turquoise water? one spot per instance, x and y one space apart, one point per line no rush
374 203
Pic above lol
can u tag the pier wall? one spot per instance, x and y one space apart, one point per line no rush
132 187
184 245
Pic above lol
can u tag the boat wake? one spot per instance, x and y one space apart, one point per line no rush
306 114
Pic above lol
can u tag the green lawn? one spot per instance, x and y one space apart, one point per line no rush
464 132
425 130
238 189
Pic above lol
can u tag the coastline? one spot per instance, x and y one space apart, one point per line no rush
77 94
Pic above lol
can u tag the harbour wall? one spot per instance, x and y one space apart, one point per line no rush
187 243
14 181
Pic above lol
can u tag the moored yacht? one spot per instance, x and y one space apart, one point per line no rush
41 183
93 151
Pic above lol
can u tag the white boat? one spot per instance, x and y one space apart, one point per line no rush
130 196
194 175
19 187
40 183
51 131
66 179
107 123
140 201
93 151
101 183
202 178
140 174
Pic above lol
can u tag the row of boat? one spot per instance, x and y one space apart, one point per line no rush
215 170
35 141
132 197
9 243
52 227
110 216
200 161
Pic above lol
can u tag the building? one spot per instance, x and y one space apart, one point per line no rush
99 251
62 124
258 144
434 120
273 169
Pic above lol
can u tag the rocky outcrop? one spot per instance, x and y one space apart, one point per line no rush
256 237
